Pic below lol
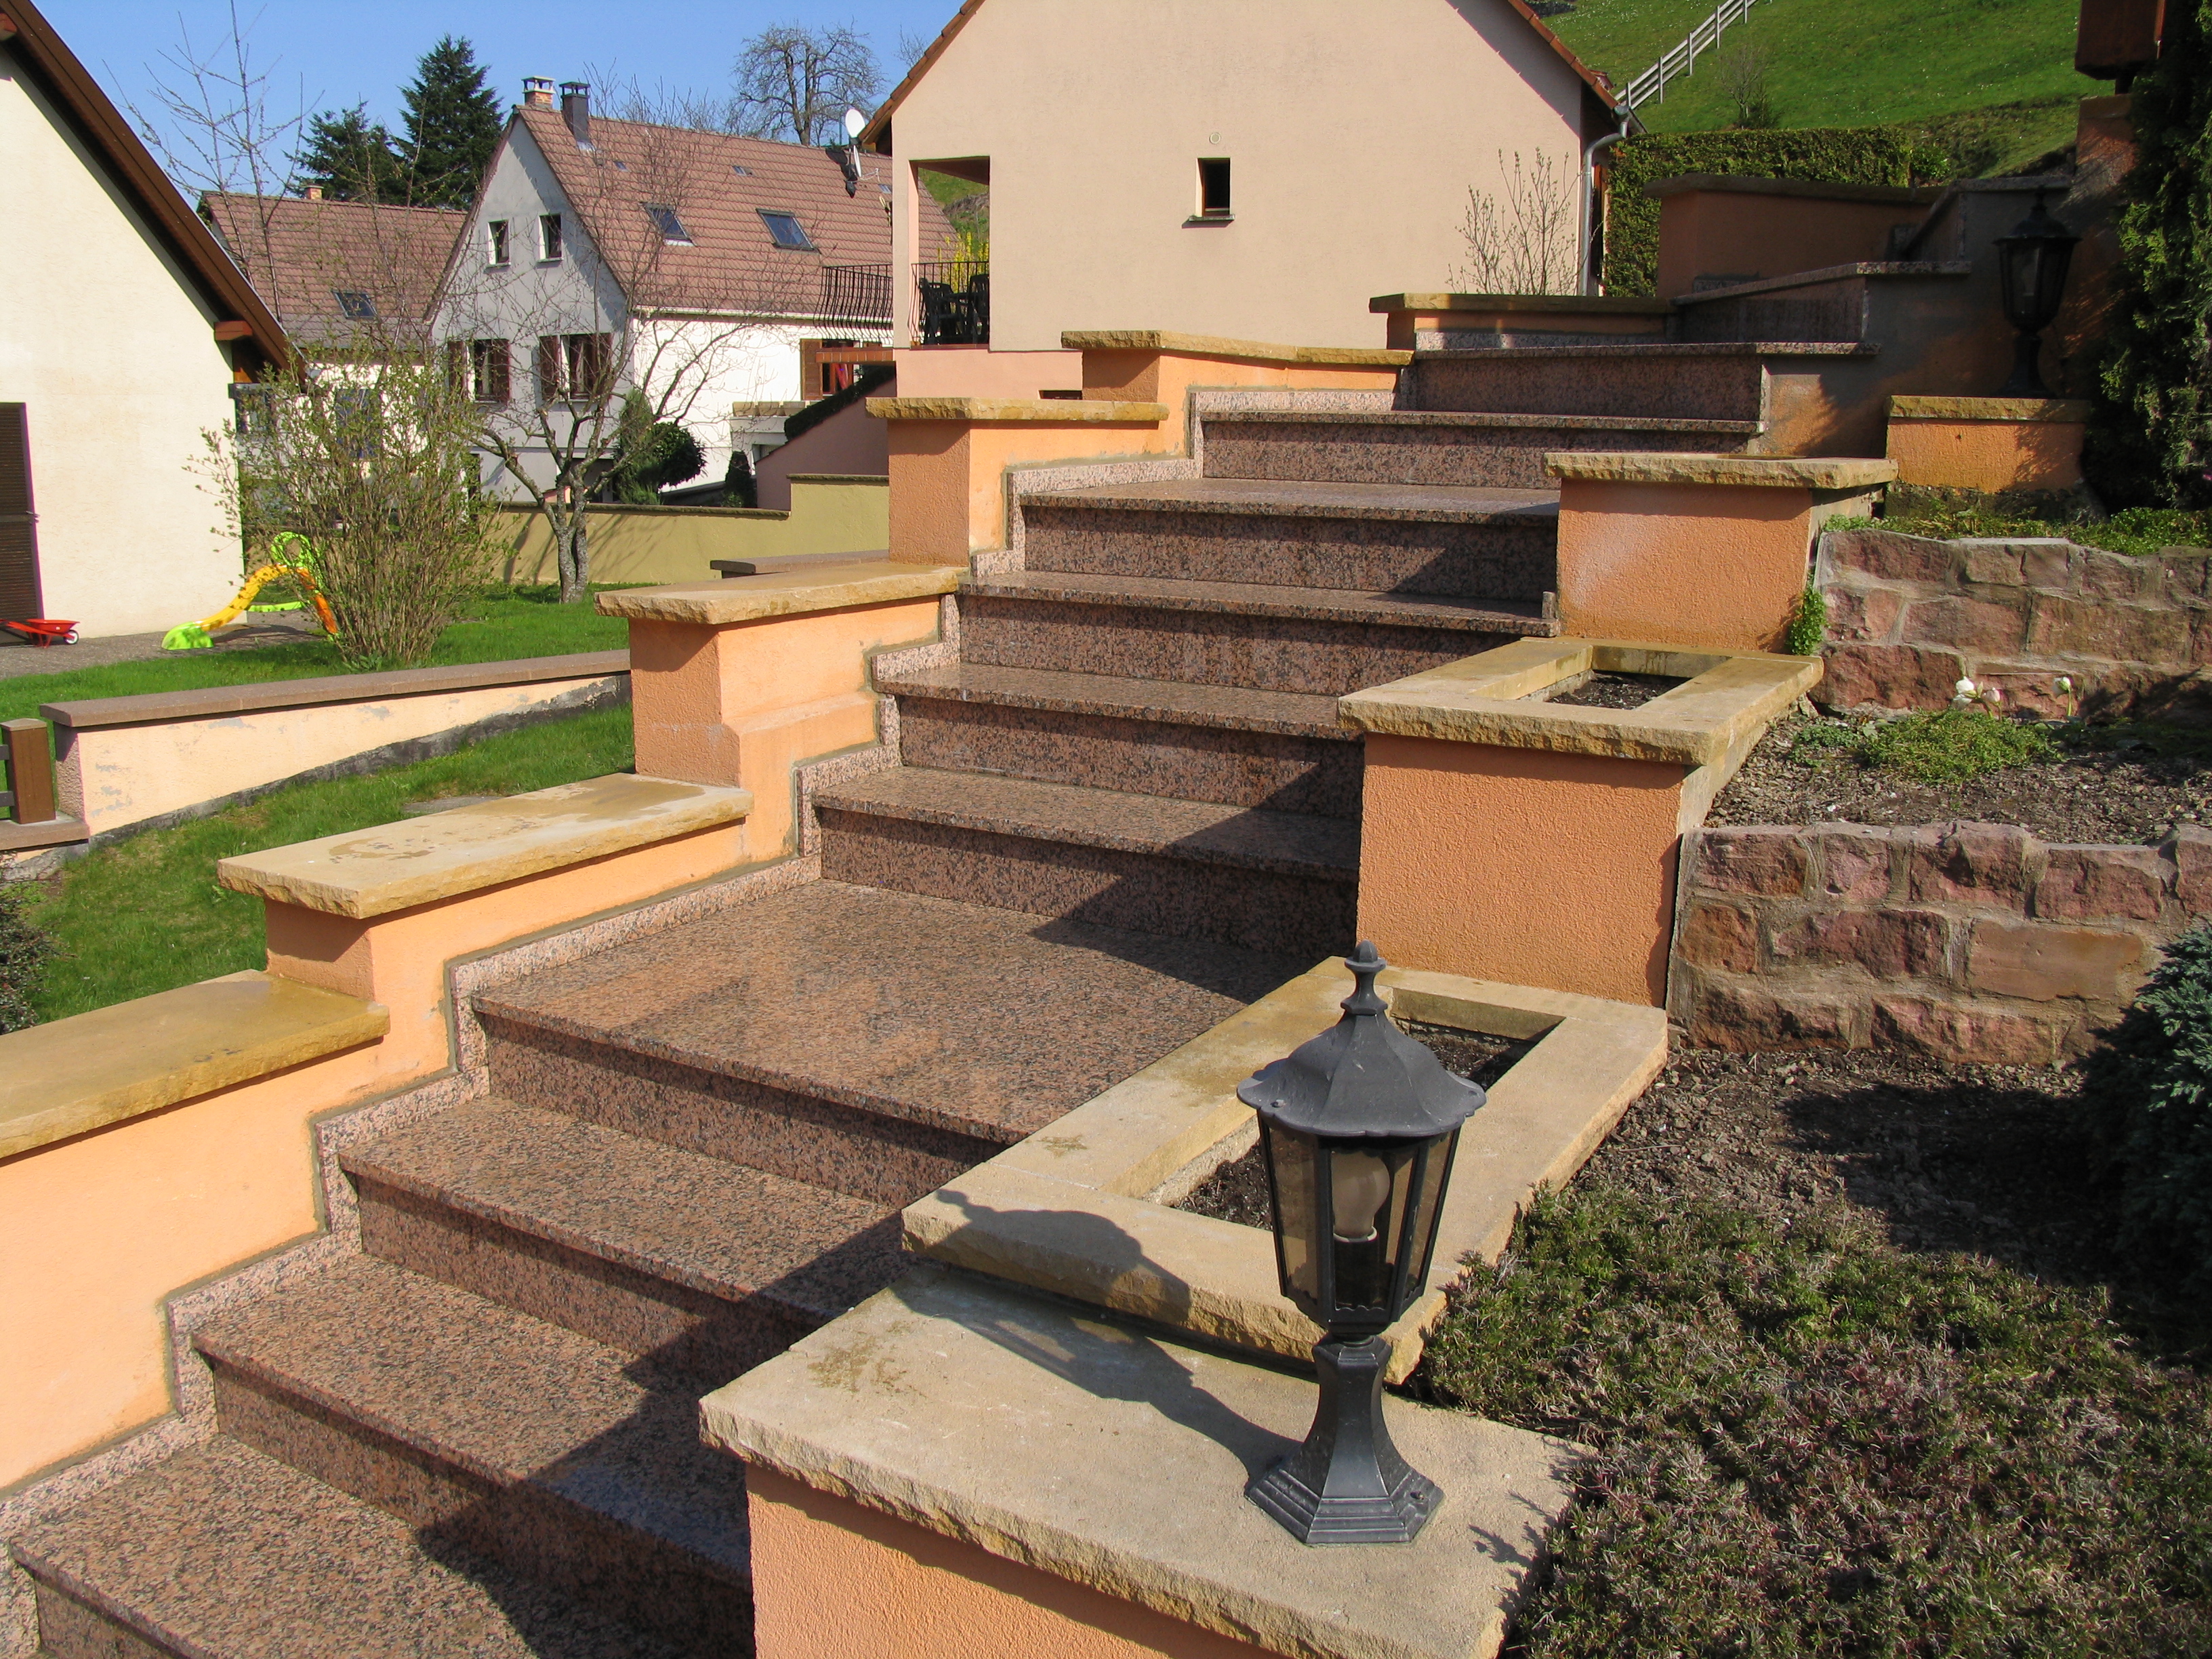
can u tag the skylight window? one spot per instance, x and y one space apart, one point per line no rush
743 172
356 305
666 221
786 231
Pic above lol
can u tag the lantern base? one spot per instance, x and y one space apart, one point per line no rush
2026 378
1346 1483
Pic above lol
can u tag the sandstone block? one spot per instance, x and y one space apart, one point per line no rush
1885 944
1863 613
1889 676
1854 864
2192 857
2086 882
1951 1031
1967 624
1997 563
2047 563
1893 558
1743 1020
2116 633
1986 864
1720 936
2102 575
2043 963
1769 862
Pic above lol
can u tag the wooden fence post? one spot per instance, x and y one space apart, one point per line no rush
30 769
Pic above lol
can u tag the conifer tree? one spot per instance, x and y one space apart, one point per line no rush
352 158
453 124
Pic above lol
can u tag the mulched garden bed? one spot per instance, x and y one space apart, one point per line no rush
1606 691
2093 795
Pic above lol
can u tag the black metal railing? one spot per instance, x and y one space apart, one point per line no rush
954 301
857 294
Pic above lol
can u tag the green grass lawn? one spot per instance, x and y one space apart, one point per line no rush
2005 67
145 915
508 623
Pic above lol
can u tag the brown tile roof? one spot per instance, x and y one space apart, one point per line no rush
731 264
301 255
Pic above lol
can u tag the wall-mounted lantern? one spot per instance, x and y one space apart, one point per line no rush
1359 1128
2031 268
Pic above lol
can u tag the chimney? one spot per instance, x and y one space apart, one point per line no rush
577 110
536 92
314 193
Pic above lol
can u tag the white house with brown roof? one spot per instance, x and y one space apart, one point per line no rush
332 271
122 327
692 263
1250 168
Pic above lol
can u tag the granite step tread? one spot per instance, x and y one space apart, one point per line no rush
497 1395
1455 419
1343 605
1252 838
680 1216
1179 702
224 1552
1655 349
1469 504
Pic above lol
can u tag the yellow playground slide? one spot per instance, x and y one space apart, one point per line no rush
299 569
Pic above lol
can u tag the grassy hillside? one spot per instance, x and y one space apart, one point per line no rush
2003 69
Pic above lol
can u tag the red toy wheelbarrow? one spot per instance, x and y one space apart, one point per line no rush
43 630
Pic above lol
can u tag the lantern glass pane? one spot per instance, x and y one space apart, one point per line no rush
1293 1179
1428 1207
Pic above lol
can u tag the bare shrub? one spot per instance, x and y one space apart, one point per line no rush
1528 242
1744 64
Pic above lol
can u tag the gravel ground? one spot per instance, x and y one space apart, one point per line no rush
1602 690
271 628
2105 796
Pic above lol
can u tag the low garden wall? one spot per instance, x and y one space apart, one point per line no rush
1910 616
1963 941
650 545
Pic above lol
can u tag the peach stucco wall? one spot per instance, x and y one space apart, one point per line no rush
1988 454
1682 564
742 703
1158 377
949 478
833 1579
1731 233
1590 842
963 371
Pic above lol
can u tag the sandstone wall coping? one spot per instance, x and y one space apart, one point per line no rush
85 1073
396 867
1082 1208
880 480
92 713
2032 410
1117 1460
1214 345
1731 185
1599 304
1726 697
1821 276
1631 466
792 591
1049 411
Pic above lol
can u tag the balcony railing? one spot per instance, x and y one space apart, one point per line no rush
954 301
861 295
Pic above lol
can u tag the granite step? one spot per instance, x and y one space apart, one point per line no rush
1440 447
1278 749
706 1267
1284 883
497 1435
1429 538
874 1042
223 1553
1715 380
1317 641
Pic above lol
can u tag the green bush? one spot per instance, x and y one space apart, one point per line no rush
2136 530
650 455
1809 622
1953 745
2148 1093
1832 155
740 487
26 948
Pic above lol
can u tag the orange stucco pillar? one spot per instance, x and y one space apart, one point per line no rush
1521 865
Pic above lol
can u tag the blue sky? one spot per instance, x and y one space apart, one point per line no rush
336 53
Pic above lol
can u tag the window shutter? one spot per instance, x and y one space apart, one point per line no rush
19 534
457 364
502 363
551 387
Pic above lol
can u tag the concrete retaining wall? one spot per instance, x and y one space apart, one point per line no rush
125 764
1909 617
1964 941
657 545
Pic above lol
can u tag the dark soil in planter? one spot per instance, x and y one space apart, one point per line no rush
1602 690
1237 1191
2093 795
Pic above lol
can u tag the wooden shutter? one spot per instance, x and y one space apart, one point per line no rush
457 364
19 523
551 388
502 363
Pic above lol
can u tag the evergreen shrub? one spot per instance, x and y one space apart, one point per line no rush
26 948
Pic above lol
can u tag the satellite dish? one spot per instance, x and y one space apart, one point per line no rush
853 122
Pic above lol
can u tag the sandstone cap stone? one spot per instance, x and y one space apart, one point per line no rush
794 590
1215 346
1051 411
2014 410
1659 467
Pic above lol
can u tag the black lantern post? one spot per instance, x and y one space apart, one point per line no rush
1359 1128
2031 268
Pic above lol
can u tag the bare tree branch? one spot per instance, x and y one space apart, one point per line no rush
796 81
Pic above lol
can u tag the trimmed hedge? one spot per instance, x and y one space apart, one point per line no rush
1824 156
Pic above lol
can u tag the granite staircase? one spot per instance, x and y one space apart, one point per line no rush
1127 810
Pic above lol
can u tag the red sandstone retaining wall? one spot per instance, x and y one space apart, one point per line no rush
1963 941
1909 617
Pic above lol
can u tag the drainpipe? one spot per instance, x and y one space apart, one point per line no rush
1604 141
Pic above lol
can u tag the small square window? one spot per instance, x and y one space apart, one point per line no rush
666 221
1213 188
356 305
786 231
498 235
548 235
